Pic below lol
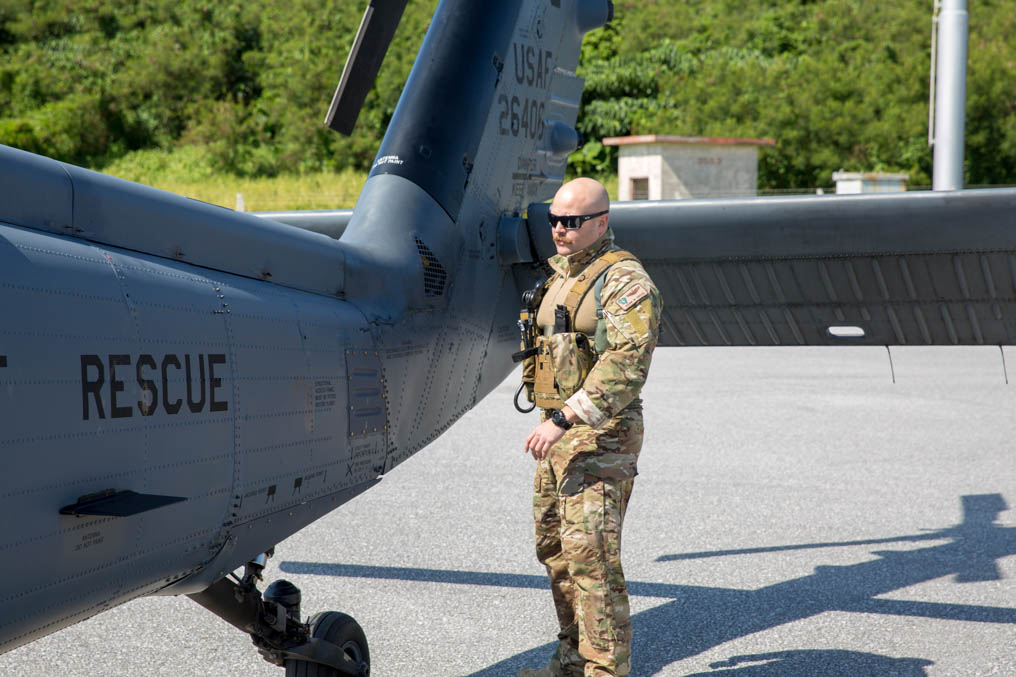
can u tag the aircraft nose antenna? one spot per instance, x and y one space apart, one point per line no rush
377 28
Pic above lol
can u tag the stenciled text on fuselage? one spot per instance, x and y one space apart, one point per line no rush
104 384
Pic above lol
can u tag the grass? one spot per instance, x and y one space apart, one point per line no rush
187 171
322 190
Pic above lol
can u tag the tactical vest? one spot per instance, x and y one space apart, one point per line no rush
564 357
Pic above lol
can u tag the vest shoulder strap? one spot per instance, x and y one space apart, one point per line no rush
541 291
588 278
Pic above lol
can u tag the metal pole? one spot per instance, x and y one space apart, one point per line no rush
950 95
931 84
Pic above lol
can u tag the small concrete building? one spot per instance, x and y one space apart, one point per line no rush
654 167
869 182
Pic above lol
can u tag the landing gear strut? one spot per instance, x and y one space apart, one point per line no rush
329 644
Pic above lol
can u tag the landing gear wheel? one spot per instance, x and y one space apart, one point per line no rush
342 631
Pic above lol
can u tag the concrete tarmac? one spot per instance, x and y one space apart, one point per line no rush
796 513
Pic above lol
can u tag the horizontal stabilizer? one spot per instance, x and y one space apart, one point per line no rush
369 47
110 503
914 268
330 222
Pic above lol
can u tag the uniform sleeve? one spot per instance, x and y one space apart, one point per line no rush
631 308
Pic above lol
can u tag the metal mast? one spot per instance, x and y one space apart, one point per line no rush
950 95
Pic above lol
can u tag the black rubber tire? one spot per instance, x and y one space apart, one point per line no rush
341 630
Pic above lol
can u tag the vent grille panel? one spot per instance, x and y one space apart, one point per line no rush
434 275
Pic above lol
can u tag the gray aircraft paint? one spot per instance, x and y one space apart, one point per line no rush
334 360
330 222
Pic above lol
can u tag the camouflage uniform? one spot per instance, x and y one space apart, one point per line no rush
581 489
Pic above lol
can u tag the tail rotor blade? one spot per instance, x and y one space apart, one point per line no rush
369 47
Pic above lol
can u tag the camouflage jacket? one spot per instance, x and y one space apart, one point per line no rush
631 307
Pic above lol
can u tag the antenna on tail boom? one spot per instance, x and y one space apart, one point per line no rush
377 28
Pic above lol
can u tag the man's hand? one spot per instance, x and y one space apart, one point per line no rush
547 434
543 437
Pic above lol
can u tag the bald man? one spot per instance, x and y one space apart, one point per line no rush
599 322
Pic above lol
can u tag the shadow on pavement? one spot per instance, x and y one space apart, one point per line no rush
701 618
828 663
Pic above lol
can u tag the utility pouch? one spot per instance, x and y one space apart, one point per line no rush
544 387
562 365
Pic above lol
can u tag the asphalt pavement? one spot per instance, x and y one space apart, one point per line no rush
796 513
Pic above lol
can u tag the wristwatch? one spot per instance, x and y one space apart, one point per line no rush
558 418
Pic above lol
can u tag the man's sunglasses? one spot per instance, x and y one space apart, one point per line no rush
571 222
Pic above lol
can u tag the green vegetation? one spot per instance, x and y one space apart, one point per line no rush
188 171
89 81
837 83
191 94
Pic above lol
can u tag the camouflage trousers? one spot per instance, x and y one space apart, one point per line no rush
578 539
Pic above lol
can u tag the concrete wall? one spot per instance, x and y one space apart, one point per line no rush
678 171
642 161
